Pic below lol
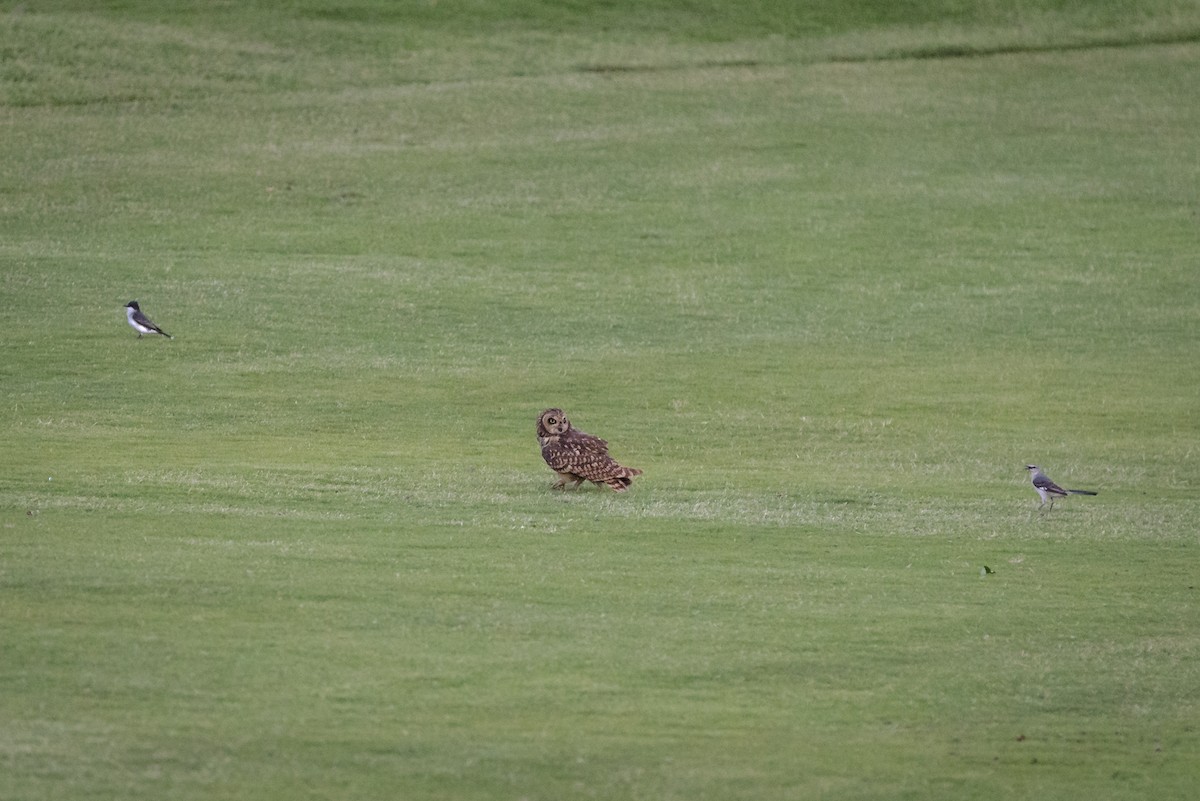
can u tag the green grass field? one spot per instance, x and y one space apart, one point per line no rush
829 273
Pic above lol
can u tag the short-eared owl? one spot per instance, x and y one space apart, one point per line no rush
577 456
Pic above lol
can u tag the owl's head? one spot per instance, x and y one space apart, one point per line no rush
552 423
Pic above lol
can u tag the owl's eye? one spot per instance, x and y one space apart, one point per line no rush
551 420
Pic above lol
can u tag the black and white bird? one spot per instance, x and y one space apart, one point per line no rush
1047 490
140 322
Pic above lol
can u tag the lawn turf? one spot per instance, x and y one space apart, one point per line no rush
828 282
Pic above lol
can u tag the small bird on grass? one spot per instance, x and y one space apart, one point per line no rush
140 322
1047 490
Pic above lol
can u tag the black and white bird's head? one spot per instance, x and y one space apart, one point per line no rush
133 304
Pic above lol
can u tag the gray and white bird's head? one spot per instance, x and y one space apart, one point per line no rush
1032 468
552 423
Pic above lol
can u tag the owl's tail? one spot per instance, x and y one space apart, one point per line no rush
621 483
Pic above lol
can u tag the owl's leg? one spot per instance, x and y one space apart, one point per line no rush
564 478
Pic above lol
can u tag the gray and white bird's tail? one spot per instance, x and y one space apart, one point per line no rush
1082 492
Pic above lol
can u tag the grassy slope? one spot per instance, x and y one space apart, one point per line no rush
315 556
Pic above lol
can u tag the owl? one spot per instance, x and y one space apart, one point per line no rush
576 456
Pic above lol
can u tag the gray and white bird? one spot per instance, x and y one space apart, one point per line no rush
1047 490
140 322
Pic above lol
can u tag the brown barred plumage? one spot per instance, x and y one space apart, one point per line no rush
577 456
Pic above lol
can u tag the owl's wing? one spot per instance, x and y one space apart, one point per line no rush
581 455
591 464
558 457
586 442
